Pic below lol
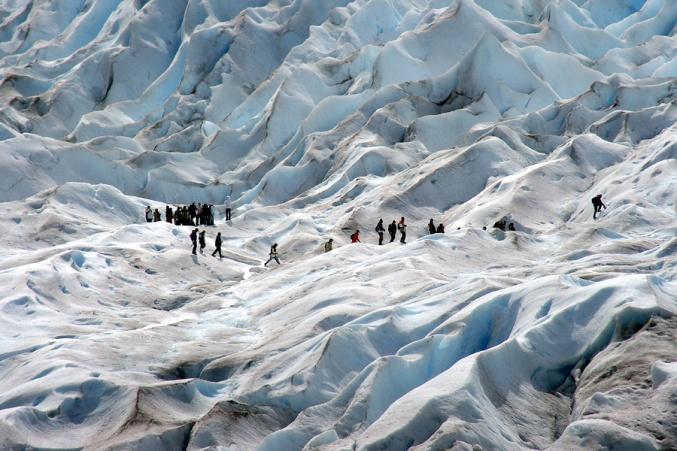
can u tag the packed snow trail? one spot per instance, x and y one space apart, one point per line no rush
319 117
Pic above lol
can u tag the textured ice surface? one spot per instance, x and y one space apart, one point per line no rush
320 116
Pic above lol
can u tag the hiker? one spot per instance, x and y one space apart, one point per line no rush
597 204
228 203
355 237
440 228
149 214
392 230
193 238
168 214
431 227
329 245
192 212
273 255
380 230
157 217
511 227
402 227
217 243
199 215
211 214
202 241
500 224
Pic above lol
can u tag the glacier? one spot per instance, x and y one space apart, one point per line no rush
319 117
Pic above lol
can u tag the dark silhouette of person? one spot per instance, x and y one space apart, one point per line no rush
402 227
597 204
440 228
329 245
169 214
273 255
380 230
217 243
192 212
202 241
431 227
149 214
193 238
156 216
355 237
392 230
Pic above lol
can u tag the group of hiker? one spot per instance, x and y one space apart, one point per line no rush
190 215
203 214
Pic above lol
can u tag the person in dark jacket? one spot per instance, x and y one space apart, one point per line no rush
273 255
355 237
431 227
202 241
169 214
380 230
329 245
440 228
392 230
192 212
597 205
217 243
156 216
402 227
193 238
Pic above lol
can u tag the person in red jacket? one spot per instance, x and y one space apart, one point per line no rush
355 237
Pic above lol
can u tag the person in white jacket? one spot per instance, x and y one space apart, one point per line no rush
228 203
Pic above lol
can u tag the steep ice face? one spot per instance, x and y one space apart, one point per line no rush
319 117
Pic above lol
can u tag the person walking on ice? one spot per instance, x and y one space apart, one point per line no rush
193 238
217 243
597 204
402 227
228 203
329 245
392 230
202 241
355 237
149 214
273 255
380 230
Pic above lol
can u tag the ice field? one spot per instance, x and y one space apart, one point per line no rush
320 117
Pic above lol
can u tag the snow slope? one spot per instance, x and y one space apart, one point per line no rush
320 116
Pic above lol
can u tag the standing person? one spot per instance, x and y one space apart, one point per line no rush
440 228
329 245
380 230
597 204
211 214
192 212
193 238
228 203
217 243
156 215
169 214
149 214
402 227
431 227
273 255
198 214
202 241
392 230
355 237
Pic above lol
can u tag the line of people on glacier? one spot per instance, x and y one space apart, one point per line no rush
203 214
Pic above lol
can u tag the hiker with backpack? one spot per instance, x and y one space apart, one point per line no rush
597 205
380 230
228 204
440 228
392 230
202 241
402 227
273 255
217 244
149 214
329 245
193 238
156 216
431 227
355 237
169 214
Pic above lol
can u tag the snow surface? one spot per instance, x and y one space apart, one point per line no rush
319 117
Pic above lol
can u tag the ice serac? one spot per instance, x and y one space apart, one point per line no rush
318 117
